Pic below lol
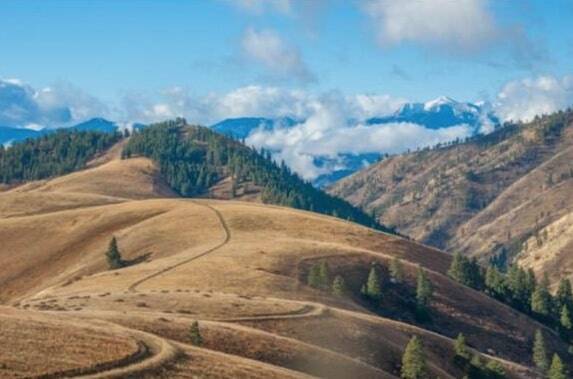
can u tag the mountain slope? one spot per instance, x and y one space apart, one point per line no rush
240 269
193 159
485 197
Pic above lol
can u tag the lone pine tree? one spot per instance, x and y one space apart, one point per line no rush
113 255
195 334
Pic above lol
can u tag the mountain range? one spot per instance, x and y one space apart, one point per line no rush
439 113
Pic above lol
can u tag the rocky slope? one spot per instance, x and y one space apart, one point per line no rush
484 197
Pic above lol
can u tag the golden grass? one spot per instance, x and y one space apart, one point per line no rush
239 268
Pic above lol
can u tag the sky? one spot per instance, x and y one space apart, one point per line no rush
65 61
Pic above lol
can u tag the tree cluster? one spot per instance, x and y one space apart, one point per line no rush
53 154
193 158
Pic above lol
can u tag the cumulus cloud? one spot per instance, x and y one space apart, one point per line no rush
460 24
251 101
23 106
465 27
522 100
326 133
279 58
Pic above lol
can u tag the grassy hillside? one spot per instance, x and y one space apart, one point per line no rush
242 270
194 159
484 197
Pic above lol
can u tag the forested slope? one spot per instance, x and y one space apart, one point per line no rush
193 158
486 196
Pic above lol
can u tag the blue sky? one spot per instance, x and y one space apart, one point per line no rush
111 47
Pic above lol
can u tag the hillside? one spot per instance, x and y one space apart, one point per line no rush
241 270
484 197
196 161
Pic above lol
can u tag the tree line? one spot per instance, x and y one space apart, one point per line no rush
194 158
53 154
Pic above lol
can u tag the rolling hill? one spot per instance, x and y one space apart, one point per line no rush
238 268
494 196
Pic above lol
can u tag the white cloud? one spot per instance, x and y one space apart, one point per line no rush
23 106
458 24
327 133
522 100
281 59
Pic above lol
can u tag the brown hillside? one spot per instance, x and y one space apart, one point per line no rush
240 269
482 197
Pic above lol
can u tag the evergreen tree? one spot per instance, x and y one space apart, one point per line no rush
113 255
460 347
373 284
565 318
541 298
495 283
466 271
424 290
557 369
495 370
564 294
195 334
539 352
397 270
339 286
313 279
324 275
456 270
414 360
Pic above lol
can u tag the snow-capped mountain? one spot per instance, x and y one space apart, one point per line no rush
443 112
439 113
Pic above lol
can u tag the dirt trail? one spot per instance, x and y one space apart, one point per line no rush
227 238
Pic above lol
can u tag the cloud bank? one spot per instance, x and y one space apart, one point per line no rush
59 105
522 100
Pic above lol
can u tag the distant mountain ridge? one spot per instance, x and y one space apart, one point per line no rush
9 135
443 112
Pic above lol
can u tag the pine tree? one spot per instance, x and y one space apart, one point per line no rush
373 284
397 270
195 334
539 352
495 370
557 369
495 283
564 294
460 347
565 318
541 298
324 275
414 360
339 286
456 270
424 290
113 255
313 279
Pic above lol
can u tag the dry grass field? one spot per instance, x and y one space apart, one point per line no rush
239 268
